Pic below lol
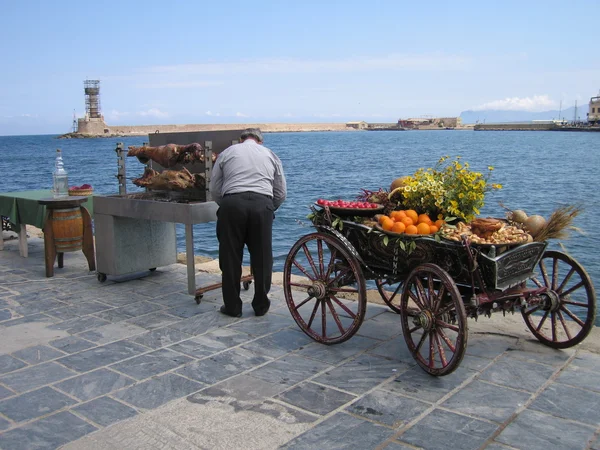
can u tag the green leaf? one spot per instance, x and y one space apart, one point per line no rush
338 223
386 239
402 244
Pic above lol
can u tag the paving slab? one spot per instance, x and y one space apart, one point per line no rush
342 431
315 398
389 409
443 430
535 430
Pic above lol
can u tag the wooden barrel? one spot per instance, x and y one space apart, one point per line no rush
67 227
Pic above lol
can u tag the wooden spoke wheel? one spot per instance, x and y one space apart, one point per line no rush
434 322
564 314
391 292
324 288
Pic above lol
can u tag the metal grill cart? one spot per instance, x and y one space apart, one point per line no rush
136 232
434 285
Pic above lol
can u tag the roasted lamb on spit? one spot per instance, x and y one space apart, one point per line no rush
169 155
170 180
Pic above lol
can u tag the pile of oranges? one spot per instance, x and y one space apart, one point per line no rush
409 222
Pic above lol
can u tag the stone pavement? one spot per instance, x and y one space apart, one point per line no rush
136 364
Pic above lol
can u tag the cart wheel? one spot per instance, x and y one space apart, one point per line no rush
101 277
563 315
435 322
391 292
198 298
246 285
324 288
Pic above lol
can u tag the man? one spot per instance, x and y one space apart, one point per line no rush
248 184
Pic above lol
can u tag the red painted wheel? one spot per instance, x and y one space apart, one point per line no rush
391 292
434 321
324 288
564 315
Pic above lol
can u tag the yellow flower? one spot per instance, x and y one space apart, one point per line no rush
449 188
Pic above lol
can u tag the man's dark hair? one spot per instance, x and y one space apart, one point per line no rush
252 133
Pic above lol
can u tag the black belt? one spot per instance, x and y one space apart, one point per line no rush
249 192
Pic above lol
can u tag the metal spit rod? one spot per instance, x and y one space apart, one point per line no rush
121 171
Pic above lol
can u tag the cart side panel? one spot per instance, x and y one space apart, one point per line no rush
512 267
392 260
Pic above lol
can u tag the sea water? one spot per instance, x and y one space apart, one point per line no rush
539 170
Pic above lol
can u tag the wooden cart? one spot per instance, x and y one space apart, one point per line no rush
434 285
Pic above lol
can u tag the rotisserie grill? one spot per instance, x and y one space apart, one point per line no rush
136 232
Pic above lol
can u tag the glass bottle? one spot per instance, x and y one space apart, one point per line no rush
61 182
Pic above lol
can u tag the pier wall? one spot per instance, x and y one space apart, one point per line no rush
514 127
97 127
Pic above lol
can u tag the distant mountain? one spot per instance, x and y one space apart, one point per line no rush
495 116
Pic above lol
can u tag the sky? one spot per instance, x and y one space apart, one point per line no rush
195 61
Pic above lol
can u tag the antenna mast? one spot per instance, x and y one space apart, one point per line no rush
559 110
74 122
575 116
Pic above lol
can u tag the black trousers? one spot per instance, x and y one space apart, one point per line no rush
245 218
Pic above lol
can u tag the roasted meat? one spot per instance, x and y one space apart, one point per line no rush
169 155
170 180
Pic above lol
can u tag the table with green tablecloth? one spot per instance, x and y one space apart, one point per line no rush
23 208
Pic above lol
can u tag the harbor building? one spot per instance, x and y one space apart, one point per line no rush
358 125
593 115
427 122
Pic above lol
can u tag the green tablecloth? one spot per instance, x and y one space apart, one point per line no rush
23 207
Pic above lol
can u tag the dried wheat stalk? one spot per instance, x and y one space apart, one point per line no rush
559 223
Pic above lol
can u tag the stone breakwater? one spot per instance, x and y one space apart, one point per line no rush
100 129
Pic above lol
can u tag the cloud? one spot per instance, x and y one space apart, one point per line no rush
323 116
210 113
116 115
535 103
239 114
29 116
152 112
435 62
179 84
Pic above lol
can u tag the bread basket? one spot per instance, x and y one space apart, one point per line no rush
81 192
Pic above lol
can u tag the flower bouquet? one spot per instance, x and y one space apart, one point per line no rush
449 191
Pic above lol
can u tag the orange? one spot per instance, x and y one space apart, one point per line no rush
411 229
433 229
407 221
381 217
412 214
439 223
424 218
387 224
398 227
397 215
423 228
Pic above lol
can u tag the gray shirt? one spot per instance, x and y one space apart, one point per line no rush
248 167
